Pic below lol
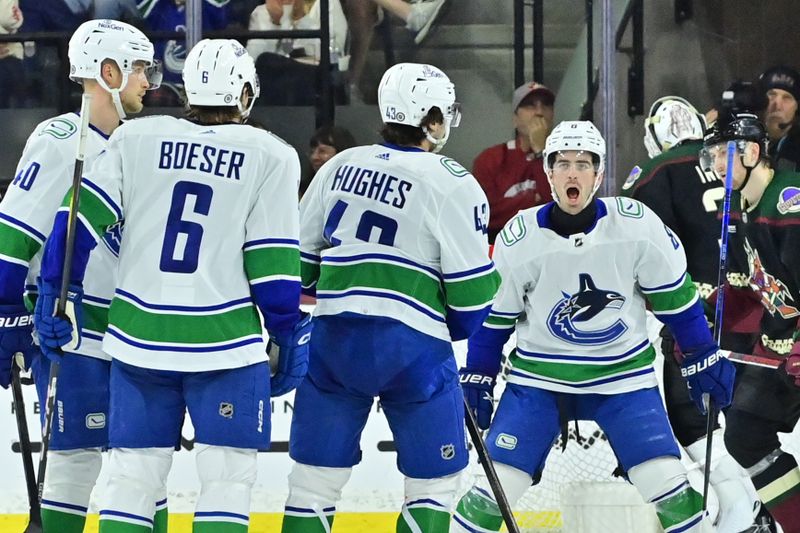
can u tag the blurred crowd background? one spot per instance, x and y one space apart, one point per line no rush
645 49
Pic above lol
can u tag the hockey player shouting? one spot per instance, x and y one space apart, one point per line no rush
764 258
113 62
211 232
394 241
575 275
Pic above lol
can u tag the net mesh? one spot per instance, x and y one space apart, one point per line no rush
586 458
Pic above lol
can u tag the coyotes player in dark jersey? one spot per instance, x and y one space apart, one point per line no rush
765 258
686 198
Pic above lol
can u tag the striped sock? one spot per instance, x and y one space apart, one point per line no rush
779 488
303 520
679 509
424 515
62 517
219 522
161 518
477 512
119 522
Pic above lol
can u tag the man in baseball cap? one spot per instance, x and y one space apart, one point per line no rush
511 174
781 84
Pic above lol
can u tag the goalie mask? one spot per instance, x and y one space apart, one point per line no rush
98 40
216 72
671 121
578 136
407 93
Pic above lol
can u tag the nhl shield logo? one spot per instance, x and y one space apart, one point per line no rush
448 451
226 410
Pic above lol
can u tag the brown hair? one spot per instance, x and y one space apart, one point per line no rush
215 114
405 135
212 114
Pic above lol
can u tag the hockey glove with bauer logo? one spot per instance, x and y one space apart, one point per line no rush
288 357
16 336
479 392
58 334
708 371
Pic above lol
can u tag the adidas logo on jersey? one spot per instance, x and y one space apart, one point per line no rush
384 156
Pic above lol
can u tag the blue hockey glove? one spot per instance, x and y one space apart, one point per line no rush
58 333
16 336
288 357
479 392
709 372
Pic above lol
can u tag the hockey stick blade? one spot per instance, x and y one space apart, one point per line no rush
764 361
488 468
34 510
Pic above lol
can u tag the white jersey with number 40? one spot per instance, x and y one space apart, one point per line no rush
43 178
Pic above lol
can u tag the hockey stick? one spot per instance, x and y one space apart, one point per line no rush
34 510
764 361
66 272
488 468
711 419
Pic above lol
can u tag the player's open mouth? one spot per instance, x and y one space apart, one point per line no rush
573 193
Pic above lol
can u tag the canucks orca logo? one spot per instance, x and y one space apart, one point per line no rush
583 306
112 238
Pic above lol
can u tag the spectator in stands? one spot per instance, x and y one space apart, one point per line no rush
12 75
512 174
124 10
292 14
781 85
325 143
287 67
54 15
363 16
170 15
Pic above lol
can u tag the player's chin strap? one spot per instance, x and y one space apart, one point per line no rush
244 111
115 93
438 144
747 172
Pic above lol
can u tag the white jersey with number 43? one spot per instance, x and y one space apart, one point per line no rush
578 302
398 232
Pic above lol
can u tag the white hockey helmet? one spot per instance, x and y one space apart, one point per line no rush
579 136
671 120
216 72
407 93
97 40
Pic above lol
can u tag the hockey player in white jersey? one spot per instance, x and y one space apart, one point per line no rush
113 61
576 276
393 240
211 238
